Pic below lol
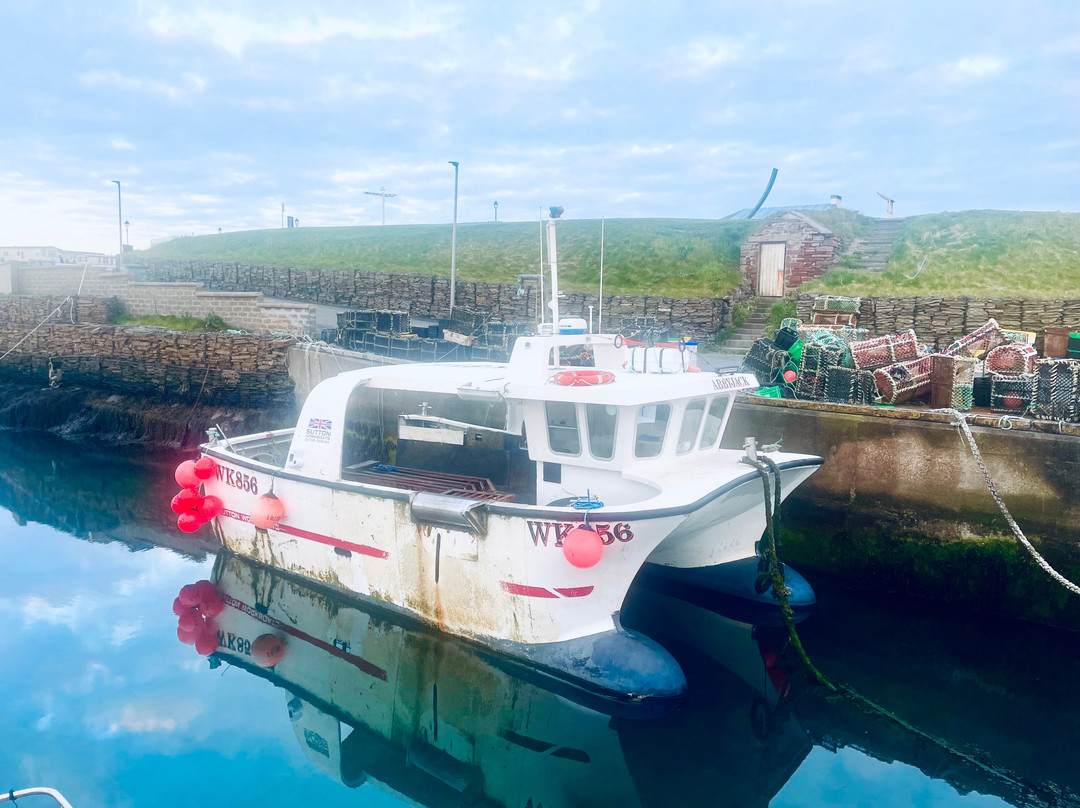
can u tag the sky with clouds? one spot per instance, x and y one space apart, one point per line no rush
213 114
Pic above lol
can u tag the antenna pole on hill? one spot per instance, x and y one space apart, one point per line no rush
888 204
381 192
542 309
453 244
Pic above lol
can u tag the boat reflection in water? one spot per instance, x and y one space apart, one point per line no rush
441 722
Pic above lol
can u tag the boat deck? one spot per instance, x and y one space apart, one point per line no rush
435 482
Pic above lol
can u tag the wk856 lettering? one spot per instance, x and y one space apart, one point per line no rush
245 482
609 534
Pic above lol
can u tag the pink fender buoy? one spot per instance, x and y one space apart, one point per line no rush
583 546
187 500
205 467
189 596
185 475
210 507
189 522
790 376
693 369
267 650
266 511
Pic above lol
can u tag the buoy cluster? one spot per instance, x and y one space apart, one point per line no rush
193 510
195 608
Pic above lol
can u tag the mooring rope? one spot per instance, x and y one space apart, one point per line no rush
776 571
1022 540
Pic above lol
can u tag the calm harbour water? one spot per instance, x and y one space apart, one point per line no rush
105 703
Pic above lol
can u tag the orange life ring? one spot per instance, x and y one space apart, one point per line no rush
586 377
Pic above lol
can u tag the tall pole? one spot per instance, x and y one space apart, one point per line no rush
453 243
119 225
543 310
381 192
600 318
553 262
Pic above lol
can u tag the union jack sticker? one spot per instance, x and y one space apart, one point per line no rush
319 423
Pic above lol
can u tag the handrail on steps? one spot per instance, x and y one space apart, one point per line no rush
29 792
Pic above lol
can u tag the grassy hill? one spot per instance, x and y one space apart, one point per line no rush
975 253
669 257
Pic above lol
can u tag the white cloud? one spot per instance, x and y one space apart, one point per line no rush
235 28
971 68
191 84
120 144
702 58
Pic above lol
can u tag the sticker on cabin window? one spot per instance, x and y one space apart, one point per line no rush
647 414
318 430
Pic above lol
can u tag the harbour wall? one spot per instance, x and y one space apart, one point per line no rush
243 310
900 503
238 370
429 296
938 321
72 309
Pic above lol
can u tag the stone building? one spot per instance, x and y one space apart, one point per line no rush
787 251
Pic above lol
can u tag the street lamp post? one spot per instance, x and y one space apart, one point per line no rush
453 243
119 225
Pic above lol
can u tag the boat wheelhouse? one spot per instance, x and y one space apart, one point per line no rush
459 493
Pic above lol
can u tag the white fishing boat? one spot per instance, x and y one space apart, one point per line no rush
510 503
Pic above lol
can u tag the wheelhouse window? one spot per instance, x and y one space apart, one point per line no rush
652 421
713 421
691 423
563 436
601 420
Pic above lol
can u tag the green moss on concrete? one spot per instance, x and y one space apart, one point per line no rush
986 573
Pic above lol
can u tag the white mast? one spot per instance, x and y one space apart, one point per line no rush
600 317
543 310
553 262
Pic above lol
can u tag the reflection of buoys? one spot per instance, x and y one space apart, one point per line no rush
185 475
583 546
178 607
267 650
189 596
266 511
190 620
204 467
212 606
187 637
206 641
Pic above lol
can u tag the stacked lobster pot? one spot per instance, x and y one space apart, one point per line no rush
850 386
1057 390
765 360
820 353
900 365
952 381
834 311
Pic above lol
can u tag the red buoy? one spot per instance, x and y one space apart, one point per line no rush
266 511
790 376
189 521
583 546
205 467
267 650
210 507
185 475
187 500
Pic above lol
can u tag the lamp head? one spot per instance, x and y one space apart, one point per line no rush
453 163
556 211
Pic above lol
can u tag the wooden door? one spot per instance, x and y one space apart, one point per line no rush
771 270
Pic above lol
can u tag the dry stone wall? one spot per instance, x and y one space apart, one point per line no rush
938 321
243 370
428 296
22 309
246 310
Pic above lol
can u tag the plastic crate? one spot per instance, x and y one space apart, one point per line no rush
1011 393
951 382
904 381
887 350
1056 395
